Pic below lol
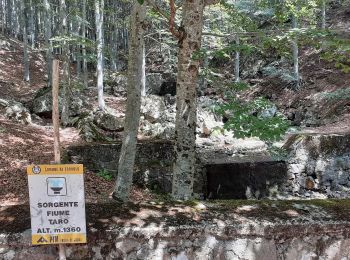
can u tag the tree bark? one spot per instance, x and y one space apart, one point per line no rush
65 54
83 32
323 25
132 116
99 4
24 10
237 60
186 100
48 44
295 53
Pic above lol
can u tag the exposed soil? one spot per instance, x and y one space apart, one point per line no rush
22 145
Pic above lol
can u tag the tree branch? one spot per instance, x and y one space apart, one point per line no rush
158 9
172 28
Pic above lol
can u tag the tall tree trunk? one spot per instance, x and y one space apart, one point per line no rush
83 32
9 16
76 30
132 116
323 25
99 4
65 54
113 39
237 60
186 100
3 16
295 53
31 24
24 11
48 43
143 79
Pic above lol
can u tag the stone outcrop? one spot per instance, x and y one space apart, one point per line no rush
158 116
42 103
108 120
319 165
15 111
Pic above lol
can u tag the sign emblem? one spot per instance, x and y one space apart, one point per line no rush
36 169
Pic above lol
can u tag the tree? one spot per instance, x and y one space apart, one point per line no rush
189 36
295 52
132 115
237 60
24 10
323 14
66 63
99 6
83 34
48 44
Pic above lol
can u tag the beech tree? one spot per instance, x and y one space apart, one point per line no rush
66 64
48 35
295 52
99 5
133 104
83 35
189 36
25 41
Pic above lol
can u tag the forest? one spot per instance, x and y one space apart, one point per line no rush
184 112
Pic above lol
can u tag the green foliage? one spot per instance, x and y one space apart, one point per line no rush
141 2
340 94
252 118
278 153
337 50
301 9
105 174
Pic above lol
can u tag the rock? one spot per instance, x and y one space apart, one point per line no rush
269 112
154 82
161 112
15 111
119 85
310 184
319 163
207 121
164 130
108 120
169 100
42 103
153 108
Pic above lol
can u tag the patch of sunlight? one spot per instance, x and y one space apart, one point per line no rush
291 213
246 208
18 140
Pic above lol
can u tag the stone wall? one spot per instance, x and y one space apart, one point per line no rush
153 163
319 166
176 234
217 174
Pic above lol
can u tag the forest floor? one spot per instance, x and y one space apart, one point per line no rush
21 145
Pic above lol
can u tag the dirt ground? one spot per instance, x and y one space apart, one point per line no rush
22 145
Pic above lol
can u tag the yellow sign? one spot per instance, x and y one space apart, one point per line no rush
57 204
58 239
49 169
